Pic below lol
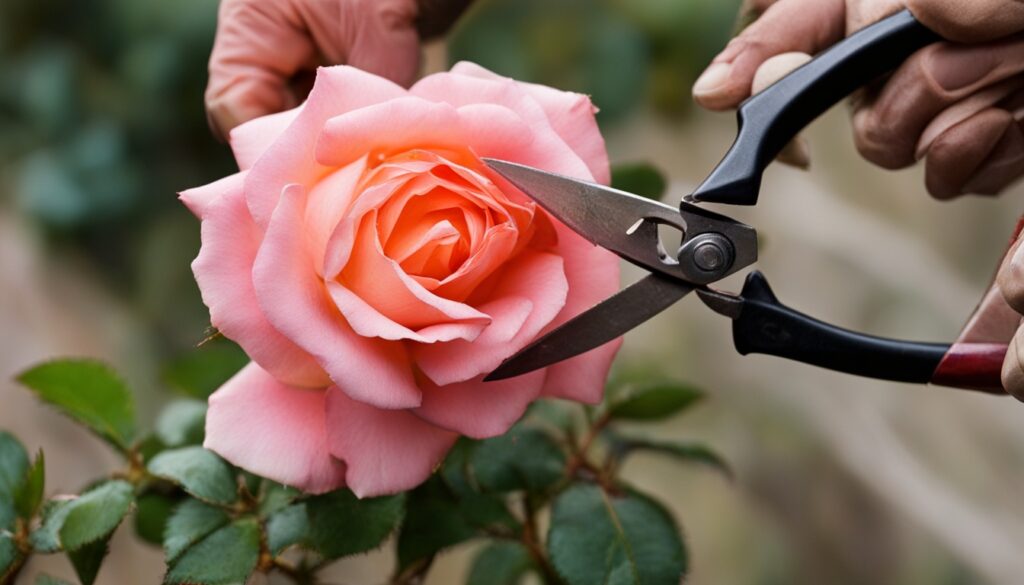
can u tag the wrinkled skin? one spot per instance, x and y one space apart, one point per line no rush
957 105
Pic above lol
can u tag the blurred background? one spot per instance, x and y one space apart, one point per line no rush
839 480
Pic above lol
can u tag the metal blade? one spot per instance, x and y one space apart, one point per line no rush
627 224
600 214
593 328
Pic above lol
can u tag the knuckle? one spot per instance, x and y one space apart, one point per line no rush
1011 278
874 139
751 41
963 22
1012 374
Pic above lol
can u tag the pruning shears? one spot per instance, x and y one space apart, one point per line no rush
715 246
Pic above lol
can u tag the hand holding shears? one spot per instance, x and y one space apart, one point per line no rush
715 246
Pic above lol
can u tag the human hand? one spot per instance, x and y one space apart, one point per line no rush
957 106
265 53
1010 283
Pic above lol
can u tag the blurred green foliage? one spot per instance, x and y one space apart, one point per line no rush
624 53
101 124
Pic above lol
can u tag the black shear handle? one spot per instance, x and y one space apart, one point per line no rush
766 326
770 119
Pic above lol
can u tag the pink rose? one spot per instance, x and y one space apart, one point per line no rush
375 270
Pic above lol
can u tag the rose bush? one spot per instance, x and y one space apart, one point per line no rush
374 269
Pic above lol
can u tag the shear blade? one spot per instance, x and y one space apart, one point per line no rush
606 217
627 224
595 327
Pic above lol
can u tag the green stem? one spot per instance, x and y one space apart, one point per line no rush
24 546
579 460
531 540
414 574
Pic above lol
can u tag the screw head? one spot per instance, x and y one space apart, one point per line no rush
709 256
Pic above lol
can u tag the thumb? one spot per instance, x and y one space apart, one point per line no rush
970 22
805 26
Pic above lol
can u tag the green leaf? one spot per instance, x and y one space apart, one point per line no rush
29 494
89 392
455 468
199 472
46 538
191 522
88 559
276 497
94 515
48 580
251 482
522 459
641 179
225 557
182 423
13 466
198 373
152 512
653 402
341 524
8 554
288 527
502 563
685 452
436 519
556 414
621 539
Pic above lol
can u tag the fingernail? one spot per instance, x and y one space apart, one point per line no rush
957 69
712 79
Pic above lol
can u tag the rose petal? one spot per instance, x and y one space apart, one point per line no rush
273 430
582 378
198 199
538 278
479 409
296 302
386 451
223 271
381 282
571 115
410 123
496 247
594 276
290 159
250 140
369 322
401 124
326 206
476 98
420 238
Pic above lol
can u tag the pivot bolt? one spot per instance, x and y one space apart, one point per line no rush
709 256
710 253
